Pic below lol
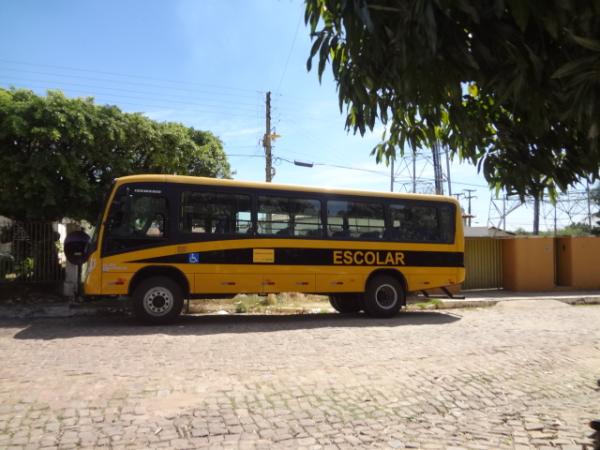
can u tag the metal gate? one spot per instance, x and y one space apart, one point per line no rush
483 263
29 252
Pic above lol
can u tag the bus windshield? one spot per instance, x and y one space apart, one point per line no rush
137 218
97 224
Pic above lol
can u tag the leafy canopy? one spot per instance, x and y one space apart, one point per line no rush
59 155
510 85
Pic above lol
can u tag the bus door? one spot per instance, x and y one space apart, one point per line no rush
138 219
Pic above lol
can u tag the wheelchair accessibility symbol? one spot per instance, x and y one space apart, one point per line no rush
194 258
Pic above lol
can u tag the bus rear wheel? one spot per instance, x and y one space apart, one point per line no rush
384 296
347 303
157 300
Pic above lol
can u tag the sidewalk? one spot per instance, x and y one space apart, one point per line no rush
473 299
482 298
62 309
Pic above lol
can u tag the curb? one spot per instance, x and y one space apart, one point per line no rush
487 302
61 310
66 310
37 311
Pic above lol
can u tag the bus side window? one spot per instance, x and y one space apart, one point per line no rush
446 215
215 213
355 219
288 216
407 223
422 223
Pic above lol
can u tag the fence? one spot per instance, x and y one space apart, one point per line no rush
30 252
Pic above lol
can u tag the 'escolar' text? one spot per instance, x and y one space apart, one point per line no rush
369 258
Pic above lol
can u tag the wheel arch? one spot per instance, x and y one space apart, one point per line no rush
166 271
393 273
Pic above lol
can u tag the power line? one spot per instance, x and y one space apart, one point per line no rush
144 104
152 97
398 179
337 166
78 69
287 61
131 91
132 83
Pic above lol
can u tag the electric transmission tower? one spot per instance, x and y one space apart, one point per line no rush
569 208
422 172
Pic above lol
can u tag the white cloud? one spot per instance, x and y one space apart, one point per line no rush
161 114
242 132
333 177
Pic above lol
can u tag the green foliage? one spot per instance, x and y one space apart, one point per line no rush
269 300
433 303
575 229
509 85
241 308
58 155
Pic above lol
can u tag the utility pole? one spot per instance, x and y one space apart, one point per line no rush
458 196
267 142
392 176
469 196
504 212
555 217
448 171
536 212
437 169
589 204
414 171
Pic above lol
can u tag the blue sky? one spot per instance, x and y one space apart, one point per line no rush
208 64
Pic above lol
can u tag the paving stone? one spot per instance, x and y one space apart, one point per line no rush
481 379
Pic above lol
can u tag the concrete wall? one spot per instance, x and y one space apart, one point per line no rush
528 263
578 262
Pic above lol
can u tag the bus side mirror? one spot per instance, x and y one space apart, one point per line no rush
76 247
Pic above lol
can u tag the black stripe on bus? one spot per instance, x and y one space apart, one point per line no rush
318 257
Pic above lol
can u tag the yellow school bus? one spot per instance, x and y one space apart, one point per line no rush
161 239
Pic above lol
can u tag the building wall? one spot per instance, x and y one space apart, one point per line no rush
528 263
578 264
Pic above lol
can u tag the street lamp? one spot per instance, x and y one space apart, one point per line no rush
303 164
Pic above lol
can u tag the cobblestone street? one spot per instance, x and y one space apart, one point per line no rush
521 374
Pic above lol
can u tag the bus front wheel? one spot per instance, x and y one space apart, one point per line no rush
157 300
384 296
347 303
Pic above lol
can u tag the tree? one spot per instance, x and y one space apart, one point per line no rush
595 219
510 85
58 155
575 229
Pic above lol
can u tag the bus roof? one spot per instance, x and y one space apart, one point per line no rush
184 179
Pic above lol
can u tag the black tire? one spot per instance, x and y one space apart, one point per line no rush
157 300
384 296
347 303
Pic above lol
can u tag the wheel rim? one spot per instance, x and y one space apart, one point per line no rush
158 301
386 296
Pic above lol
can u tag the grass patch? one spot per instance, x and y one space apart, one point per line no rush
434 303
283 303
